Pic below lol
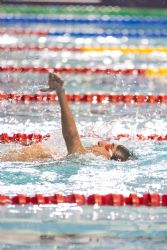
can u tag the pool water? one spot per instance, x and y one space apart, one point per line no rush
67 226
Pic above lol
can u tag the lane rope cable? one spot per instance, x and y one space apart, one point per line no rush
155 33
89 20
84 70
147 199
28 139
87 10
92 98
136 50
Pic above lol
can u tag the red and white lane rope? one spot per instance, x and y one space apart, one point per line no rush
23 139
28 139
70 70
39 48
147 199
92 98
23 32
149 72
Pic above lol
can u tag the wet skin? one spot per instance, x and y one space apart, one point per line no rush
100 149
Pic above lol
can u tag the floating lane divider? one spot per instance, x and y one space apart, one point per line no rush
83 70
92 98
23 139
136 50
147 199
87 10
155 33
28 139
41 48
88 20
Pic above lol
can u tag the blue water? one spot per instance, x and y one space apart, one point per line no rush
68 226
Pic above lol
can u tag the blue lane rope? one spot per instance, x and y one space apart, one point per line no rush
106 20
112 33
117 33
130 34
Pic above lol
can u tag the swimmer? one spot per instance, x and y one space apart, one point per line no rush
37 152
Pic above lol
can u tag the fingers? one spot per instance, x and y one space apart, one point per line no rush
55 82
55 77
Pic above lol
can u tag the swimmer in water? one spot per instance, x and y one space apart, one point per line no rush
37 152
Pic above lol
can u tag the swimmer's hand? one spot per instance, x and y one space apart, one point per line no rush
54 82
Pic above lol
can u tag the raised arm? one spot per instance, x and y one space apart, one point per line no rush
69 129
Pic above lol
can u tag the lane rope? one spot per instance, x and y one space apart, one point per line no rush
40 48
84 70
113 33
23 139
87 10
92 98
79 70
136 50
89 20
28 139
147 199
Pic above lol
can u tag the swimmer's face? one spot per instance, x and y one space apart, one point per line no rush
114 151
107 149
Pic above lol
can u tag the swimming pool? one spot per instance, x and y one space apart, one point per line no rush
67 226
